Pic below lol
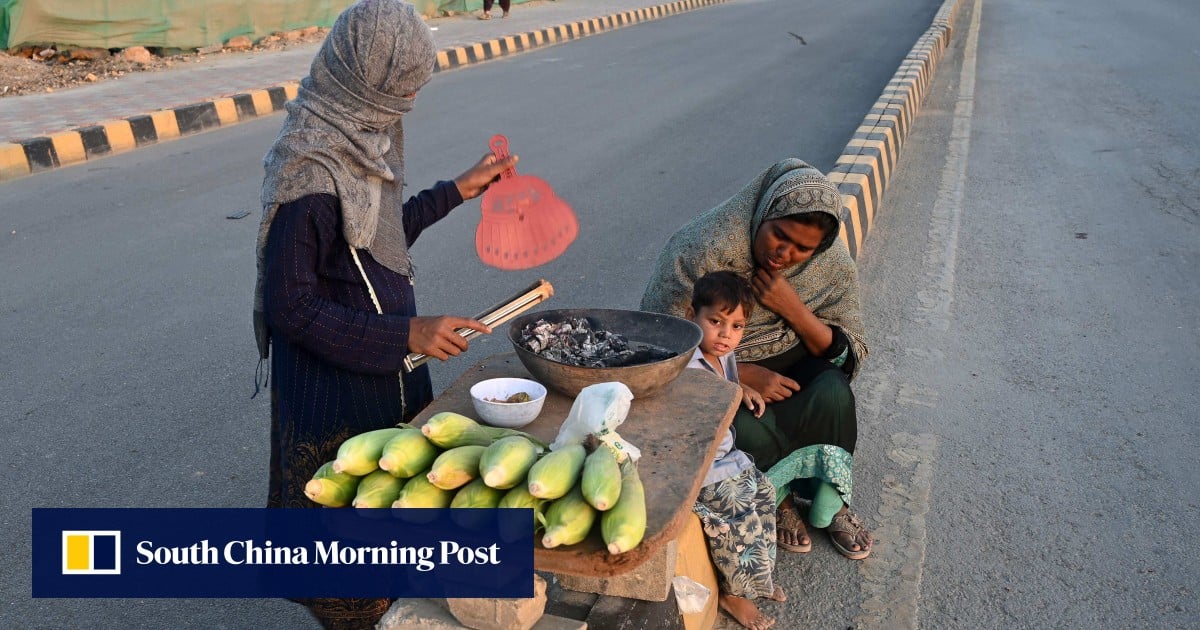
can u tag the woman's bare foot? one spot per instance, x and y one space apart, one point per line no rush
745 612
777 595
790 533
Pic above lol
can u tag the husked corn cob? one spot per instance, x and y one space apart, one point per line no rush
623 526
449 430
359 454
601 482
408 453
455 467
377 490
568 520
329 488
556 472
504 463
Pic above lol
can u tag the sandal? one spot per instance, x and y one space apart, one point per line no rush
486 16
787 519
845 522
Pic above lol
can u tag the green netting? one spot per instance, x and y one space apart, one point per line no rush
173 23
4 8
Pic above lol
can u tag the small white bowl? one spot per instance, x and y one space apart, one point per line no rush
508 415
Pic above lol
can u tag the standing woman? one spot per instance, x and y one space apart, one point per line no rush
802 346
335 309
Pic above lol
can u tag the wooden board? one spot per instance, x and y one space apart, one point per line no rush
678 431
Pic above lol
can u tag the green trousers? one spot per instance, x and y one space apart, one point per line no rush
797 435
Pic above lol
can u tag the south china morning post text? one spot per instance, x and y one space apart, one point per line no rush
331 552
294 553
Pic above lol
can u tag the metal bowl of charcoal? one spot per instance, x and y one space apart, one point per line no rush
569 349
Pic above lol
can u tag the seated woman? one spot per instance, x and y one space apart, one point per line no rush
802 346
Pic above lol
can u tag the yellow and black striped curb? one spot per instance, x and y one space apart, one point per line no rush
117 136
866 164
474 53
25 157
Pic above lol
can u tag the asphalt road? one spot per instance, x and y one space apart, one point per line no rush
1030 402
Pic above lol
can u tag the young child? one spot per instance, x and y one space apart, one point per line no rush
737 503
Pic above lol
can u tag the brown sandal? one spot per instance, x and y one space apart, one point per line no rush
787 519
845 522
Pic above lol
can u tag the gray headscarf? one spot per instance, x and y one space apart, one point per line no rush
722 239
343 134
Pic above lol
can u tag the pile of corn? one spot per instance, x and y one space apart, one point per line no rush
453 461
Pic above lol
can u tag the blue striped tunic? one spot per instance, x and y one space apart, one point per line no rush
334 359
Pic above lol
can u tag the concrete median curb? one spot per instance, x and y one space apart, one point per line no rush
866 164
34 155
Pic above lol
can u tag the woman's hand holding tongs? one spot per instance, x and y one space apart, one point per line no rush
438 336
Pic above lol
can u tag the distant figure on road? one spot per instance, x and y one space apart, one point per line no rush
803 343
334 309
487 8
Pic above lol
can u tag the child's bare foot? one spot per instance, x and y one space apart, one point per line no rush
745 612
778 595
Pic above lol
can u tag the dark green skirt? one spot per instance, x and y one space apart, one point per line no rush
810 435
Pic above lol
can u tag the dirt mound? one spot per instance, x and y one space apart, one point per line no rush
31 70
19 75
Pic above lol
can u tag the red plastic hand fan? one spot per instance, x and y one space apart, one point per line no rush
524 223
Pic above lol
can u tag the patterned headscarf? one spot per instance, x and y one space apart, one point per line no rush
722 239
343 134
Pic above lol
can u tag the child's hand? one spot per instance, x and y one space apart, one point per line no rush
753 401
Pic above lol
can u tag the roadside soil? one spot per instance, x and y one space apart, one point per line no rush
34 69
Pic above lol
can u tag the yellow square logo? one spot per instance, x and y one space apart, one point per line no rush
91 552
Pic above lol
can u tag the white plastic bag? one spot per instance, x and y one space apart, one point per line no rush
598 409
690 595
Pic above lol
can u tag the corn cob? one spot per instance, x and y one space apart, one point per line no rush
623 526
477 494
519 498
504 463
359 454
377 490
568 520
449 430
419 493
455 467
408 453
329 488
556 472
601 482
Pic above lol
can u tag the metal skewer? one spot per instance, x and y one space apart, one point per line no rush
537 293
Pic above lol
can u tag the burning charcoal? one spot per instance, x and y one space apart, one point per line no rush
574 342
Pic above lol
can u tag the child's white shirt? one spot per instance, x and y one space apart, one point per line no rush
729 460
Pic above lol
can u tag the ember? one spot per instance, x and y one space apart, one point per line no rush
574 342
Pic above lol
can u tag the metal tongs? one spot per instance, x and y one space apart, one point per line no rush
537 293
